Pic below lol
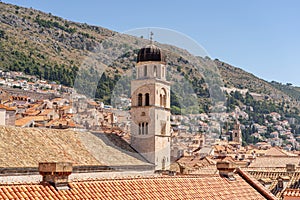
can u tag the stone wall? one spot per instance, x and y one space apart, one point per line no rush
30 94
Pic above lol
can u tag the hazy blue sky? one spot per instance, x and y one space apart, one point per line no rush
259 36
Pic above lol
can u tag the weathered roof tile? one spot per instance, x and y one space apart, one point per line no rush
182 187
26 147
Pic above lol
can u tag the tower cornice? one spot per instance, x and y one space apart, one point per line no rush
154 80
149 62
167 136
152 106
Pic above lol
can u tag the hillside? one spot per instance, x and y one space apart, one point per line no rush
56 49
236 77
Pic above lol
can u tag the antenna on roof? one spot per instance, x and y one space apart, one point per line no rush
151 37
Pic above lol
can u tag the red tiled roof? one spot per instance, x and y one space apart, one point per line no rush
64 122
65 107
32 112
57 99
195 165
272 175
255 184
197 187
92 103
276 151
7 108
292 193
25 120
46 112
26 147
274 161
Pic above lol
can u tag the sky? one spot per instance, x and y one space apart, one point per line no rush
259 36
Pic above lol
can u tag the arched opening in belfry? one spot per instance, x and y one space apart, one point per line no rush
143 128
140 99
147 99
146 128
163 98
140 129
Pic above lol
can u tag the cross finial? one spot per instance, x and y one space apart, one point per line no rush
151 37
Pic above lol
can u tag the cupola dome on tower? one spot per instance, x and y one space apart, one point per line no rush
151 53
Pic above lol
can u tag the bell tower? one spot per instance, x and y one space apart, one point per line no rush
237 133
150 108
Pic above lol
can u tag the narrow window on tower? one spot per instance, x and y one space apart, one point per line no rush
140 129
140 99
155 71
163 164
143 128
160 100
165 101
163 128
145 70
147 99
146 132
163 98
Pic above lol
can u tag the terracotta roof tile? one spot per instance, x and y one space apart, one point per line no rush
65 107
26 147
7 108
37 145
276 161
46 112
182 187
25 120
272 175
32 112
292 193
276 151
57 99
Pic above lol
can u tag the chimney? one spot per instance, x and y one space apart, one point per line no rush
243 156
282 182
290 167
226 169
267 182
251 157
56 174
222 154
